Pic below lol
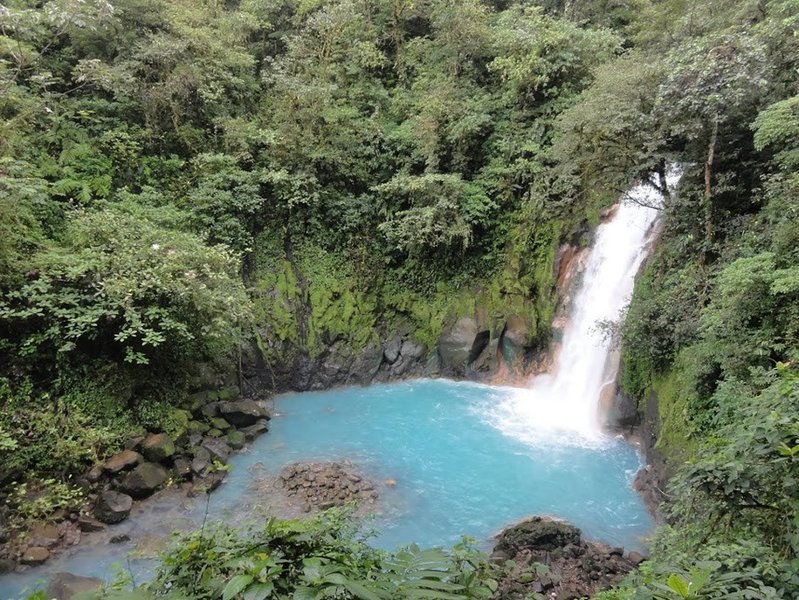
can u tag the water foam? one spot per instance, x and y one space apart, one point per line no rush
562 407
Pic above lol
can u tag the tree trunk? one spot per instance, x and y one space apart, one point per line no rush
708 199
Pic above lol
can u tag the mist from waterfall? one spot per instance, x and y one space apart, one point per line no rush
562 406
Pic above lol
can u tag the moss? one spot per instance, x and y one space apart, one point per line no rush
676 439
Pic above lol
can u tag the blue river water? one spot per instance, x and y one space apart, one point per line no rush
457 473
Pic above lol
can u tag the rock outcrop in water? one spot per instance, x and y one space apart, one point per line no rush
319 486
551 557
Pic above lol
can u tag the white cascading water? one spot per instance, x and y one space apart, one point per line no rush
563 405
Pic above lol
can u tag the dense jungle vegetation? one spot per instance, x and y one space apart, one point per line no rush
176 177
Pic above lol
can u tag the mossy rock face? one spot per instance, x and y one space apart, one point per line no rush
538 533
229 394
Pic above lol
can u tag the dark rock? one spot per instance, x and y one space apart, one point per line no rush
127 459
157 447
182 467
253 431
218 449
243 413
120 538
44 535
210 410
6 565
236 439
201 460
88 524
64 586
199 399
113 507
229 394
392 350
95 474
35 555
538 533
515 341
636 558
134 442
616 551
144 480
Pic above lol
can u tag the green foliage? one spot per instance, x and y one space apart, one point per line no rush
34 505
324 557
127 287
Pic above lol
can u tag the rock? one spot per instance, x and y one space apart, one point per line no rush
6 565
35 555
236 440
460 344
44 535
214 433
195 427
220 423
392 350
88 524
229 394
144 480
157 447
120 538
243 413
210 410
134 442
181 466
515 341
95 474
113 507
538 533
127 459
616 551
636 558
148 546
253 431
218 449
199 399
201 460
64 586
412 349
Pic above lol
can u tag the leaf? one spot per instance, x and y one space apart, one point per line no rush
236 585
679 585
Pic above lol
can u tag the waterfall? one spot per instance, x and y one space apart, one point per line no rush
563 404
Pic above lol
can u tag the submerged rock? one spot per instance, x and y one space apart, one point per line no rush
64 586
112 507
144 480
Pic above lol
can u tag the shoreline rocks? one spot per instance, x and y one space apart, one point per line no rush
572 566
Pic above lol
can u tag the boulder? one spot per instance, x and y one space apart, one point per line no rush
242 413
195 427
253 431
236 439
95 474
134 442
157 447
218 448
43 534
6 565
201 460
538 533
210 410
220 424
636 558
461 344
144 480
87 523
112 507
182 467
412 349
392 350
127 459
64 586
35 555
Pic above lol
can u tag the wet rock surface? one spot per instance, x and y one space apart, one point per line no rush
550 557
64 586
323 485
